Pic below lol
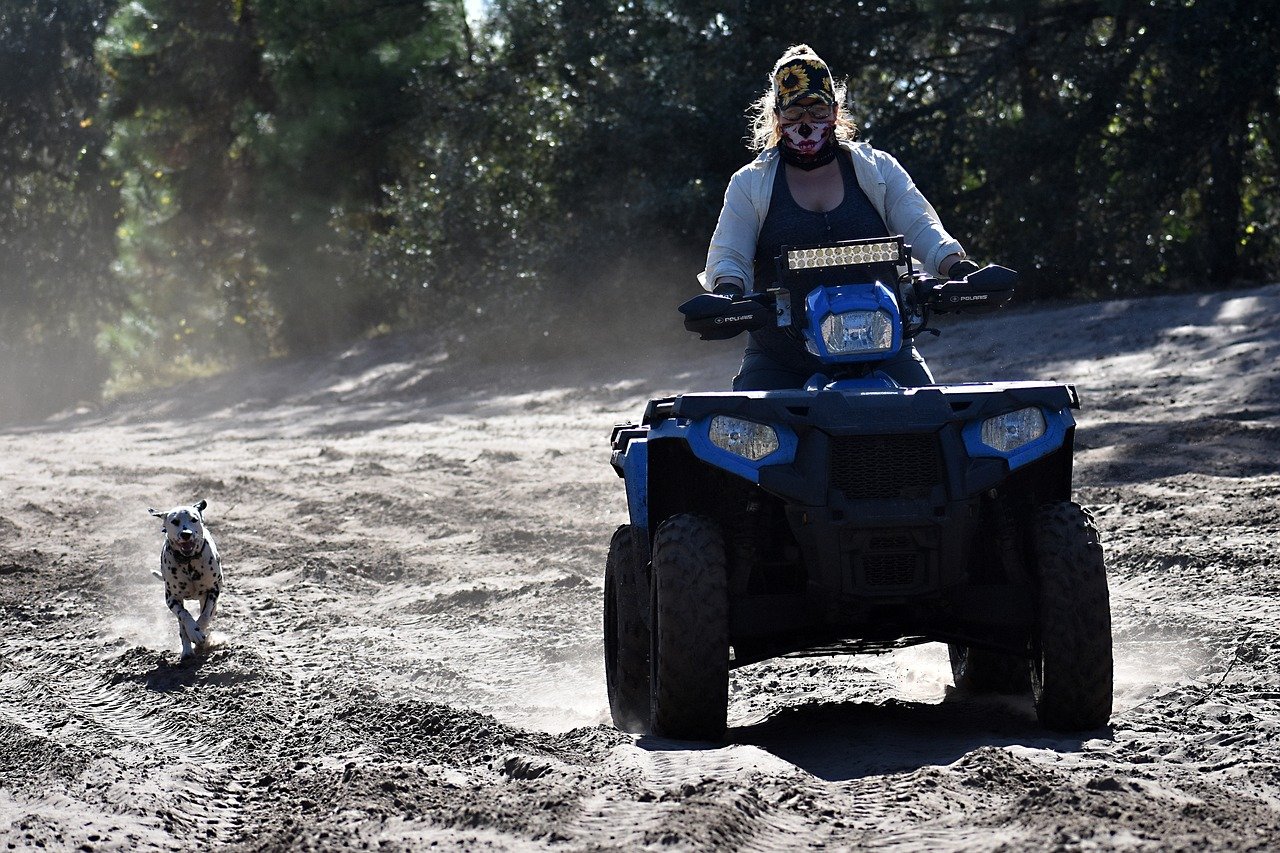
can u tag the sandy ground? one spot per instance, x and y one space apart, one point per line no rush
408 652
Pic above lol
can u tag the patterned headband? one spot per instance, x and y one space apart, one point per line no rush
800 78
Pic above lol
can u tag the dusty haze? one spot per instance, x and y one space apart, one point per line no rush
408 651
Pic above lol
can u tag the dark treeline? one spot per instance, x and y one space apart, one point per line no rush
189 184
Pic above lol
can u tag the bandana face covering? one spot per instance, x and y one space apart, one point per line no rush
808 144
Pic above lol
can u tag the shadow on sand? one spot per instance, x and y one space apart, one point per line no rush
853 740
169 673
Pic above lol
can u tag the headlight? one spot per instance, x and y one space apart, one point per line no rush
747 439
857 331
1007 433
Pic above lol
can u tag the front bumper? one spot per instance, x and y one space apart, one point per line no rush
884 492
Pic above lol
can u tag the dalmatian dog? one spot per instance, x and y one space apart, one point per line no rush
190 569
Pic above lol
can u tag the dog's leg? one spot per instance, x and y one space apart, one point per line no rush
188 632
186 640
208 607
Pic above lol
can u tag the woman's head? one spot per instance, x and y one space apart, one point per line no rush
801 89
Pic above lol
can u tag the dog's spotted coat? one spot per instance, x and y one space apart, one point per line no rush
191 570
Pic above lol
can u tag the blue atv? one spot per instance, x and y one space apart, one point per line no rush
853 515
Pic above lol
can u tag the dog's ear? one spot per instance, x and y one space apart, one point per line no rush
157 513
201 504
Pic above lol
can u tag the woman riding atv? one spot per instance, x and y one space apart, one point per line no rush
811 183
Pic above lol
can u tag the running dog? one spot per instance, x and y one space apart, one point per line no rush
190 569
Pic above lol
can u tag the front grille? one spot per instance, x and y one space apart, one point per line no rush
879 467
888 561
890 569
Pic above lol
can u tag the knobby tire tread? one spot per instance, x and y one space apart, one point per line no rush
626 629
690 667
1074 692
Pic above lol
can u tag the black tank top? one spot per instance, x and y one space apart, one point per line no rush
789 224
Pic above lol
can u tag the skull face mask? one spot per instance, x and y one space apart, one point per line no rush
808 144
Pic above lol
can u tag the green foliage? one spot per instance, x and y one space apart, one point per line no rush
589 142
58 205
476 207
349 80
256 139
1099 147
1086 144
273 176
187 83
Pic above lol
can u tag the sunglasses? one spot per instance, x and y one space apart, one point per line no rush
817 112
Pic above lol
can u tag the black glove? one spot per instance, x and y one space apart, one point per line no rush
962 268
727 288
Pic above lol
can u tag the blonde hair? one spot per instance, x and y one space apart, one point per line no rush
765 128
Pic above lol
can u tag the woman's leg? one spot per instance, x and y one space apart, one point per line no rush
907 368
759 372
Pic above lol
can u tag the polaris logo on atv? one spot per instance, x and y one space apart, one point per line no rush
977 297
722 320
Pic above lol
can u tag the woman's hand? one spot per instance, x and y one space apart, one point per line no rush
727 286
955 267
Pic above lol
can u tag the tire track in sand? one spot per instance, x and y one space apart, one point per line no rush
38 682
173 773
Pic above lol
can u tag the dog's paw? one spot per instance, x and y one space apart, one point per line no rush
197 636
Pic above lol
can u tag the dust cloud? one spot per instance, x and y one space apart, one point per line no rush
409 643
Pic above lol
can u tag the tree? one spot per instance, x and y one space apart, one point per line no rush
187 82
349 79
282 176
1099 146
59 204
257 138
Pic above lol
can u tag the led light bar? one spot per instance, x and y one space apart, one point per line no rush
838 256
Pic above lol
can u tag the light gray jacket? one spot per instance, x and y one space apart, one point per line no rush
892 192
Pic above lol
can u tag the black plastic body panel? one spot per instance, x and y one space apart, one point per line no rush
815 562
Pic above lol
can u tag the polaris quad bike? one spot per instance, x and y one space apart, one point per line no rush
853 515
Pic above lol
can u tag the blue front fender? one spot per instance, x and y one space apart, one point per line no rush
696 434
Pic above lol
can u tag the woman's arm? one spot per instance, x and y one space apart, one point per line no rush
731 254
908 212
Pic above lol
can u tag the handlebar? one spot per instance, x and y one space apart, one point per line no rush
987 289
719 317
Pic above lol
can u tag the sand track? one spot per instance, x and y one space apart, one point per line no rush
408 650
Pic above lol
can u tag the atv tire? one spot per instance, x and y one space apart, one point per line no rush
1071 666
626 629
984 671
690 659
